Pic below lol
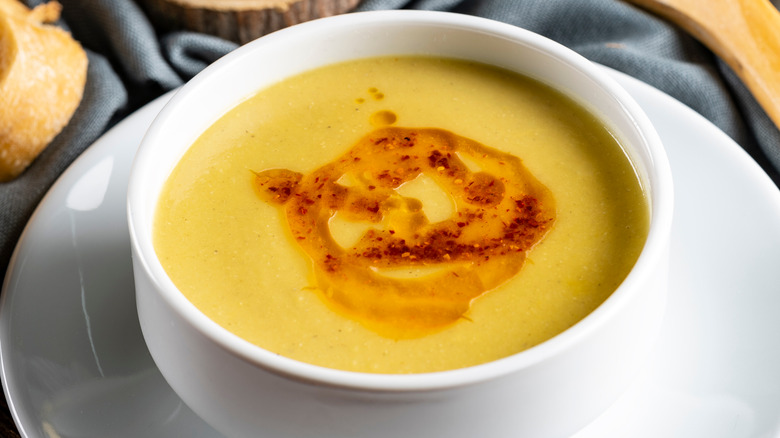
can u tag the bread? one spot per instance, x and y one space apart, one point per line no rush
239 20
43 72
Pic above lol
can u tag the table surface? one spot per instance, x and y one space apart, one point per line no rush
7 426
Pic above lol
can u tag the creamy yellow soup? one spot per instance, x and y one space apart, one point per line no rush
401 215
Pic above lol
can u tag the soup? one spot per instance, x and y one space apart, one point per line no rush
401 215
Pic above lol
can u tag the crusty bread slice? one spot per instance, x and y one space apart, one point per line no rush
43 72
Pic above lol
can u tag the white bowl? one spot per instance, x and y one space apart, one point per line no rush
550 390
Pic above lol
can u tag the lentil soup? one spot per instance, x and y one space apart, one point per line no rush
401 215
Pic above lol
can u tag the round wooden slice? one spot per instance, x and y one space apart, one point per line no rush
239 20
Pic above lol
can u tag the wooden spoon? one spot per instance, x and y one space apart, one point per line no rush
744 33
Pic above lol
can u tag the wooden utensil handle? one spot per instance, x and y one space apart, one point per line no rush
744 33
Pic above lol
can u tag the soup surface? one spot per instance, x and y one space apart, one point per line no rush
401 214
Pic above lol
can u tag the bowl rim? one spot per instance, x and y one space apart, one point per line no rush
652 253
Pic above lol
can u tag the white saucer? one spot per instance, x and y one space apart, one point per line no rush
74 363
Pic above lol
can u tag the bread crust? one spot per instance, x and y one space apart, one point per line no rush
43 73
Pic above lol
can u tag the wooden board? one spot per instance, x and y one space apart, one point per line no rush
240 21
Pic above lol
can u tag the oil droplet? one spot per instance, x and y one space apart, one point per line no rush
360 100
383 118
376 94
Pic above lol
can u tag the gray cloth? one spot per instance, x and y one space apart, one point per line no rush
130 64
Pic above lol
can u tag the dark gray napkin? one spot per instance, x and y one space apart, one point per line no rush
130 64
